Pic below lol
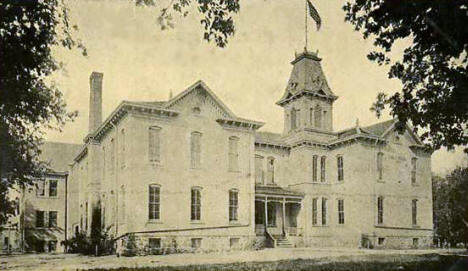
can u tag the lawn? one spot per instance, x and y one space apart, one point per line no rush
427 262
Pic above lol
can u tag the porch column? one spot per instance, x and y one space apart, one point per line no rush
284 216
266 214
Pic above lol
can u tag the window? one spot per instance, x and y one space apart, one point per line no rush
195 149
271 214
339 161
196 243
271 170
233 153
122 148
414 211
154 245
341 211
314 211
380 210
413 170
154 144
314 168
233 205
154 202
381 241
323 161
104 157
298 118
52 188
52 219
311 117
324 211
234 242
40 219
196 204
380 165
40 188
293 119
259 172
318 117
112 156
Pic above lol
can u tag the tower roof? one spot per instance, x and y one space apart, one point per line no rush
307 77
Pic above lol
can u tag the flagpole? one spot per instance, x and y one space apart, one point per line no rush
305 23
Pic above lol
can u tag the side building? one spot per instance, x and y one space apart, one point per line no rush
39 222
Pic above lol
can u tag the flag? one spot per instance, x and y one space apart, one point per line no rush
314 14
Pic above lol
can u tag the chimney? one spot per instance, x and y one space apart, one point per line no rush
95 101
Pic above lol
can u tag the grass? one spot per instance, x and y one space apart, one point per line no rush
428 262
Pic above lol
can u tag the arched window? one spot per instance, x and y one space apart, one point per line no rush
195 149
318 117
233 204
195 213
413 170
293 119
324 211
380 165
339 161
414 211
233 153
323 165
271 169
380 210
154 144
154 202
314 168
259 169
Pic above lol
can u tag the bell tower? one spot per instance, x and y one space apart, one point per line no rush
307 100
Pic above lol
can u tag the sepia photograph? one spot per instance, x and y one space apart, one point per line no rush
302 135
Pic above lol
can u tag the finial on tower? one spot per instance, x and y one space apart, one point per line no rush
357 122
170 94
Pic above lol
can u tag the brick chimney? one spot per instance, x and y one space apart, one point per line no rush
95 101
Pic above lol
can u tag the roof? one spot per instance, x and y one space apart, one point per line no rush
268 137
380 128
58 155
276 190
307 77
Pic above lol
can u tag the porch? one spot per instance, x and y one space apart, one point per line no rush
276 213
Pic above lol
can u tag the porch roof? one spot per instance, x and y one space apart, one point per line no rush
275 190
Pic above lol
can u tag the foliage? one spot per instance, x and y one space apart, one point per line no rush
29 30
217 20
451 207
433 68
99 243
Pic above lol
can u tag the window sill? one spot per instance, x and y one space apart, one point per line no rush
380 181
416 226
414 184
155 163
197 222
154 221
234 222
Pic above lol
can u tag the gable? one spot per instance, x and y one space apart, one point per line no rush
200 97
408 138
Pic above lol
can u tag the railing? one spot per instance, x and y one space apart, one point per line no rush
270 241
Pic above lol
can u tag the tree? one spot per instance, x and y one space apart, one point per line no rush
28 103
217 20
451 207
433 68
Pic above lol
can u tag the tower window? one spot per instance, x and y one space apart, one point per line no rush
318 117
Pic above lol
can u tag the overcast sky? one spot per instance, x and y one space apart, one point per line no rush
142 63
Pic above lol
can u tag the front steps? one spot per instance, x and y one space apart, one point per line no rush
282 242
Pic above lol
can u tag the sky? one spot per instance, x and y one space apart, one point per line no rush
141 62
